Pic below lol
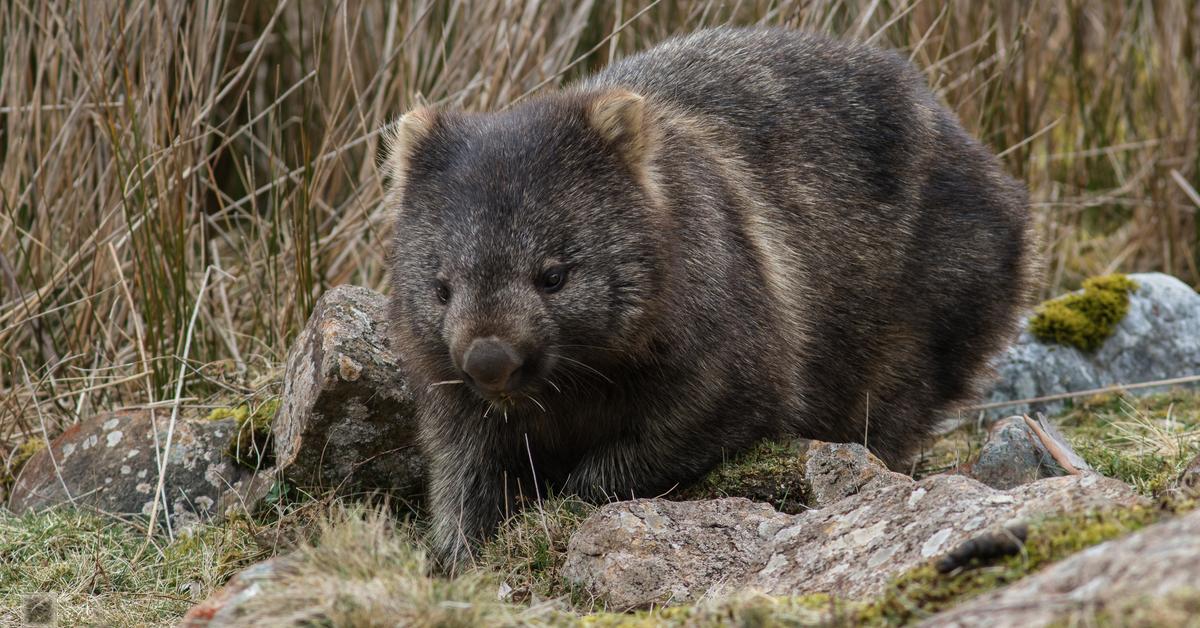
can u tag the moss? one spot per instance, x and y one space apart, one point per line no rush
17 460
770 472
923 591
251 444
1084 320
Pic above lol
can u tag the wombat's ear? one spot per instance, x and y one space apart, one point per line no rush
402 139
619 116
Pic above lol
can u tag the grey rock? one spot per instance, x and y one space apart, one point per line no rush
347 416
1151 577
633 554
648 551
1013 455
1158 339
838 470
223 607
110 463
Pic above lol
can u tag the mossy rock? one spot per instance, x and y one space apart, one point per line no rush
251 444
924 591
771 472
1084 319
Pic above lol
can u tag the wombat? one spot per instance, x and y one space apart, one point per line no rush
735 235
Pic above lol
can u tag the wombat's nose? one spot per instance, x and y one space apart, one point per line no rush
490 363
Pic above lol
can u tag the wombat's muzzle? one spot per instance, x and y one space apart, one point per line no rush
494 366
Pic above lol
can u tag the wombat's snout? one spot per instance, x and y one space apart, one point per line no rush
493 365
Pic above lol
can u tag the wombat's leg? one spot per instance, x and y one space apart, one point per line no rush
633 468
470 493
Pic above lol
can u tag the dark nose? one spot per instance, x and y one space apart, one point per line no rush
491 362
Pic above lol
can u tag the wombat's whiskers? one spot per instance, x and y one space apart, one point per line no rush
448 382
590 368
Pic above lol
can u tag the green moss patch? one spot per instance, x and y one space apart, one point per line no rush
251 444
1086 319
770 472
923 591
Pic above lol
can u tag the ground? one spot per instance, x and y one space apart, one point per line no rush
354 561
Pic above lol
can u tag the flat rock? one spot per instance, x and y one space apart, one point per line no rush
654 550
1158 339
634 554
838 470
1150 577
110 463
347 415
1013 455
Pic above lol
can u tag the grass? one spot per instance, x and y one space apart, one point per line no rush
100 571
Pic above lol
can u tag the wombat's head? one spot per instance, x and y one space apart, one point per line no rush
528 246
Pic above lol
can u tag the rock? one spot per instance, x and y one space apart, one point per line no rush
653 550
1013 455
1140 579
644 552
1159 338
838 470
110 463
347 417
221 608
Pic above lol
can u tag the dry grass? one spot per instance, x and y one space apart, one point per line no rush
145 143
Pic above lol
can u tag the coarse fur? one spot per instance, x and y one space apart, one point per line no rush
763 233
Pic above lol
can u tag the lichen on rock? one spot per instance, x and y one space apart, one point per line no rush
1084 319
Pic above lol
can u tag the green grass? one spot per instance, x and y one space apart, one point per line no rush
100 570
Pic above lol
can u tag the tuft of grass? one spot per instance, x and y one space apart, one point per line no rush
366 569
1084 320
98 570
529 549
1144 441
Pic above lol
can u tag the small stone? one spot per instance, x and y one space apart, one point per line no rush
221 608
1013 455
836 471
347 415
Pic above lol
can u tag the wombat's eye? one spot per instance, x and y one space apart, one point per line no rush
553 279
443 291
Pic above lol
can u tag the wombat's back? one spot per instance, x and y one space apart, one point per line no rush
897 252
